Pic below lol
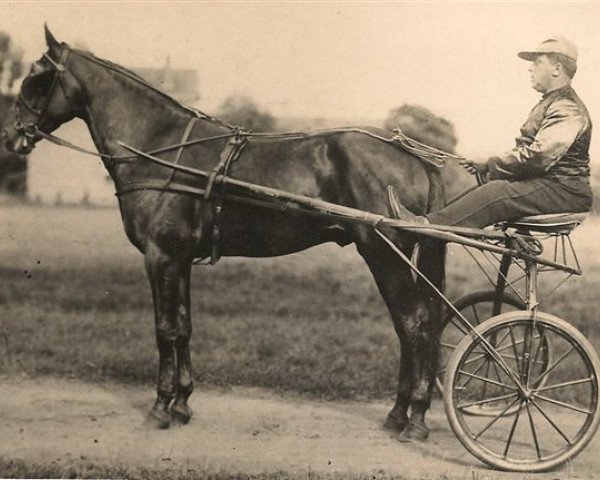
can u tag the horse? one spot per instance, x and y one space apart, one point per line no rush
171 229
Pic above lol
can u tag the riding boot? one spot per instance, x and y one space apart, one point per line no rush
399 211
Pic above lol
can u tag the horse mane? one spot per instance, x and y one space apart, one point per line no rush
137 78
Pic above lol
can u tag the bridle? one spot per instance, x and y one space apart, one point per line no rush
31 130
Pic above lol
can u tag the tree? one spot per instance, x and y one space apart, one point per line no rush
240 110
419 123
422 125
13 168
11 64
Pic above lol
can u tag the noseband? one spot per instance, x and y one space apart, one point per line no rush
30 130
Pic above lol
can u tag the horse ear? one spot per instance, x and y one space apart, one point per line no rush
50 40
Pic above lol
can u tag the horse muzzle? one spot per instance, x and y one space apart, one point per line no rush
23 139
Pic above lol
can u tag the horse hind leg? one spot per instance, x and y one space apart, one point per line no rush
180 410
398 289
423 329
418 347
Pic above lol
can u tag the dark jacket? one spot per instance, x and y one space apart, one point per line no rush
554 141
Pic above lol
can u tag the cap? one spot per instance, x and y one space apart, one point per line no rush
560 45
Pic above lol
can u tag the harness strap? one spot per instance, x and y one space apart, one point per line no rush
231 153
160 186
186 135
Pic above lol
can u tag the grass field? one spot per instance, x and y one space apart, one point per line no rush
75 302
91 470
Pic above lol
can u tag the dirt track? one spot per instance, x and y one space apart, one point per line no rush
240 430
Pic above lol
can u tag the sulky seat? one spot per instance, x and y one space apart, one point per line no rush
554 223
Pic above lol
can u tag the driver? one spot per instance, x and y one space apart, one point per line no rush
548 169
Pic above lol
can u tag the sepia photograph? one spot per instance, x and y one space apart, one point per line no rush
299 240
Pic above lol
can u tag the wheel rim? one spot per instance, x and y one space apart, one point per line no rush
556 415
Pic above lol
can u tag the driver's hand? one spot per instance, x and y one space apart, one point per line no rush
474 166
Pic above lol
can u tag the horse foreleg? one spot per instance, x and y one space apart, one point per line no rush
180 409
164 274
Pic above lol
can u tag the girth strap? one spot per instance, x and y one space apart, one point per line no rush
230 153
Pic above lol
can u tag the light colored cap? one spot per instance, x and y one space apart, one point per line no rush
560 45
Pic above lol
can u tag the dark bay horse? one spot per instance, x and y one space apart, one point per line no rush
343 167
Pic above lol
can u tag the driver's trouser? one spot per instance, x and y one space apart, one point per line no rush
500 200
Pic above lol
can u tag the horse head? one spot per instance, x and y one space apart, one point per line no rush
49 96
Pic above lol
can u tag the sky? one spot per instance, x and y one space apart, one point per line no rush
346 60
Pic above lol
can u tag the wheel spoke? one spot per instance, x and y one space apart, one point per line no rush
533 432
452 346
542 337
470 375
475 313
565 405
512 337
499 342
545 415
498 349
487 373
509 345
495 419
458 326
508 357
476 359
487 400
564 384
484 379
512 431
554 365
498 376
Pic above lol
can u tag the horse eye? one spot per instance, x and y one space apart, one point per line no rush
36 85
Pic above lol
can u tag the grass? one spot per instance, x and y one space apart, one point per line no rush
90 470
75 302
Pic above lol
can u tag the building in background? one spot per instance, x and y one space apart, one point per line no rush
58 175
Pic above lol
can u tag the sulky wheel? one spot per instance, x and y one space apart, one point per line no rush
476 307
557 410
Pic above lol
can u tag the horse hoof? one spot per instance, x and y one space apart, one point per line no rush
414 432
395 424
181 413
159 419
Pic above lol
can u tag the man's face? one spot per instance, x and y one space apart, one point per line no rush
542 73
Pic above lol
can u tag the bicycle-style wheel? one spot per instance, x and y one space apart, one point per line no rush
557 408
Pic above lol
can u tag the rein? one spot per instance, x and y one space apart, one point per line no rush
238 138
429 154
